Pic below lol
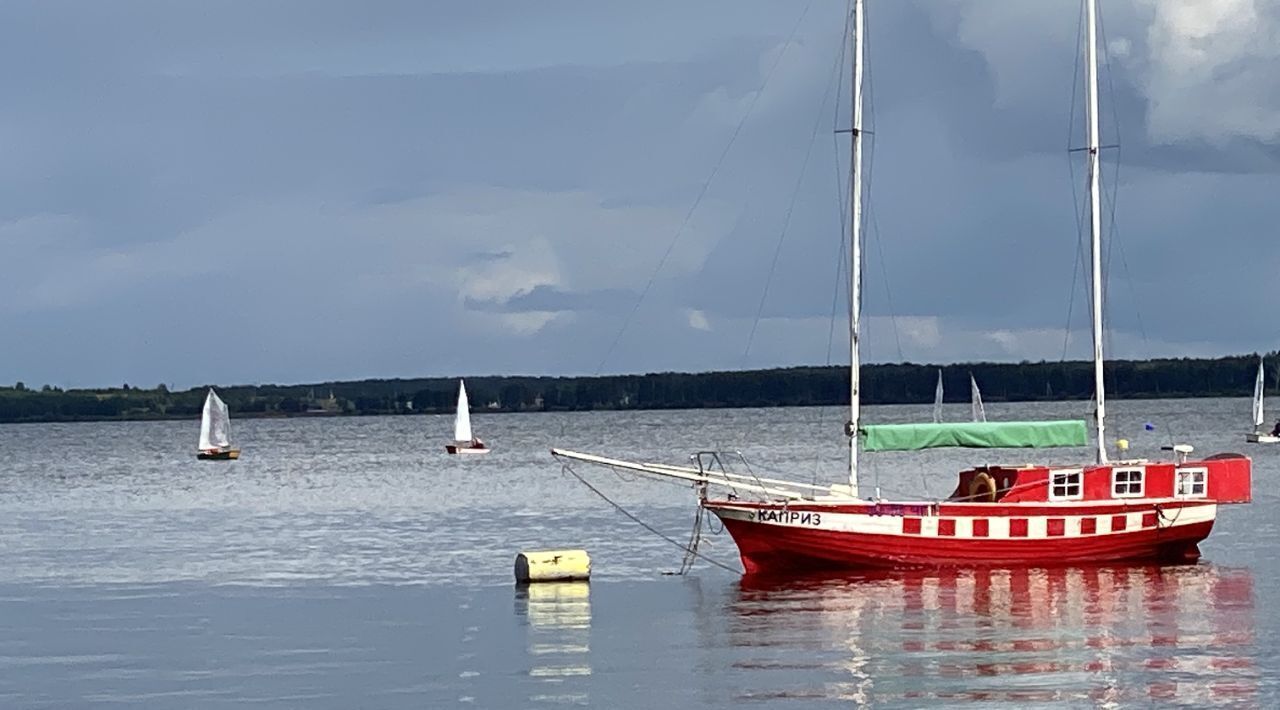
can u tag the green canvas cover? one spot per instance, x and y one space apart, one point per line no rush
975 435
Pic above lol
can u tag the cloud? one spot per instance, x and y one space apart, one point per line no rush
1187 71
550 298
922 333
1210 70
698 320
467 188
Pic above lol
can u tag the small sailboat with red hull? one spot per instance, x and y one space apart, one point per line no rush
1135 510
464 441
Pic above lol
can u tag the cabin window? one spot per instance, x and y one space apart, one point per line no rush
1126 483
1191 483
1065 485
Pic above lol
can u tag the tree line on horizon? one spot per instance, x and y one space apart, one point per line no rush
903 383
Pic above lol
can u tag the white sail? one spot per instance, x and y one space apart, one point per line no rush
937 399
975 401
462 422
215 424
1259 389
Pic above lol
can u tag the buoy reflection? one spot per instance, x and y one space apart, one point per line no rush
559 638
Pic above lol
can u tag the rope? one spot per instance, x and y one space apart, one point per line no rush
1075 197
702 192
695 537
687 548
786 222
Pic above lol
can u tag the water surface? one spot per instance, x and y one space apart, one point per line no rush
350 563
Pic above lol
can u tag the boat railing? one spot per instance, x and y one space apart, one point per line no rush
712 464
708 461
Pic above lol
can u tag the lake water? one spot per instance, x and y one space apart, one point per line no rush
349 563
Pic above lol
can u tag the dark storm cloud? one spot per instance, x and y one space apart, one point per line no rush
406 188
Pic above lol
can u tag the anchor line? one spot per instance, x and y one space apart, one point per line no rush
689 552
1165 517
695 537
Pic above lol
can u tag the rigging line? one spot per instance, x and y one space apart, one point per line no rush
831 333
1124 266
1115 191
835 119
842 198
884 274
868 200
835 298
1079 265
1108 199
842 208
702 192
1075 195
641 523
1111 90
695 537
786 222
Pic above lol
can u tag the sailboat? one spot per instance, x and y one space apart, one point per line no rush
978 412
215 431
1259 412
975 401
997 515
937 399
464 442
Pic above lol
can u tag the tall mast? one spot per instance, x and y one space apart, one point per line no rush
855 245
1095 227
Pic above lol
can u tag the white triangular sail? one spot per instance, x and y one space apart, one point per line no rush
215 424
975 401
462 422
937 399
1259 389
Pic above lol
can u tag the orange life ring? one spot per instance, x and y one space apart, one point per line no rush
982 488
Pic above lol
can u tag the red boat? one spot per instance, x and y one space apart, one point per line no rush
1132 510
997 516
1000 516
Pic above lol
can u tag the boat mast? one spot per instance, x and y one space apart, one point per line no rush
1095 228
855 245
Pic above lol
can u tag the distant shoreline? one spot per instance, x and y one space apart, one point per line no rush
479 412
902 383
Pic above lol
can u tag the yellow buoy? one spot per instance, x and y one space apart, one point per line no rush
1122 444
552 566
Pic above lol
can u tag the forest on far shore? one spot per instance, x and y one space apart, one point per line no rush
903 383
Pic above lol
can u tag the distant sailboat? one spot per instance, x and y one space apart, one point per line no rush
975 401
937 399
215 431
1259 412
464 442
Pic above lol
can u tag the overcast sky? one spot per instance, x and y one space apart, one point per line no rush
240 192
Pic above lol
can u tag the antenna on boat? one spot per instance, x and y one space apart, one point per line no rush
855 246
1095 229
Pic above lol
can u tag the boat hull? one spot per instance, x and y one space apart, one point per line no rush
224 455
456 449
775 539
1262 439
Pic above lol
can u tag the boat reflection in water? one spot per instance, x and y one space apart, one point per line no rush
1075 635
559 635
